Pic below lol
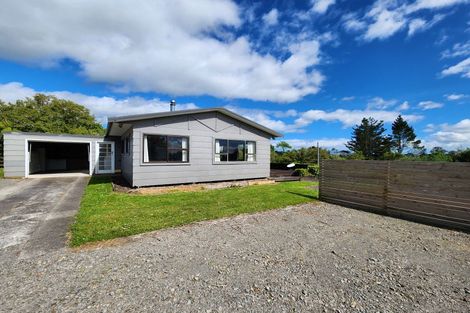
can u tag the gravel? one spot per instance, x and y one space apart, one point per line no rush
314 257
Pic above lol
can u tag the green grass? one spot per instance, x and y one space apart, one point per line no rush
1 172
105 214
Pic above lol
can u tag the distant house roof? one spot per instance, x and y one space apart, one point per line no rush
131 118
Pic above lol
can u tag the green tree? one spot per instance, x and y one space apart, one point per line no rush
48 114
403 136
368 139
284 146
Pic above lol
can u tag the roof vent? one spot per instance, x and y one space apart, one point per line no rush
172 105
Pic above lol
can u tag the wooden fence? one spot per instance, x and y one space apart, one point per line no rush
430 192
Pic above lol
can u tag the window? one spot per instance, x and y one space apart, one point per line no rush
126 145
234 150
161 148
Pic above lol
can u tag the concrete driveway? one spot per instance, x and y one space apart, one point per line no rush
35 214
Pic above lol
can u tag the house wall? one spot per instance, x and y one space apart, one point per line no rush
126 159
15 146
202 129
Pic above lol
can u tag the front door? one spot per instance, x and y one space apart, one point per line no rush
105 156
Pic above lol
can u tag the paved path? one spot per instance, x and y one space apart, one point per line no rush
35 214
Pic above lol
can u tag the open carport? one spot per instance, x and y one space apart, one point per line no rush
40 155
58 157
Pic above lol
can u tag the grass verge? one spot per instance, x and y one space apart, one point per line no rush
105 214
1 172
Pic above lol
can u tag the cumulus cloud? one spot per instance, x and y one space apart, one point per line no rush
186 48
350 117
321 6
325 143
271 18
450 136
100 107
429 105
462 68
350 98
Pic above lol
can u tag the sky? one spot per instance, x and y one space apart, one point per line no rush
309 69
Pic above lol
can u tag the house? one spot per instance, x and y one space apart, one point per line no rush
173 147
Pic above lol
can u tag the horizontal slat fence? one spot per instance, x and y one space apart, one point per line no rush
431 192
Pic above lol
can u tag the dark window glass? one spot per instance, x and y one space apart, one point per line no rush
175 155
166 148
236 150
175 142
157 148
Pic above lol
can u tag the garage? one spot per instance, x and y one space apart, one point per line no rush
58 157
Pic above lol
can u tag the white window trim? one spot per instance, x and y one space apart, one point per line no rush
214 162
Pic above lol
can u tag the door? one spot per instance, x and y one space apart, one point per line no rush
105 156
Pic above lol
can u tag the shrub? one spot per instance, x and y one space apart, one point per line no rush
311 170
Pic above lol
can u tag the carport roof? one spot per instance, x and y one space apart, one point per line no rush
51 134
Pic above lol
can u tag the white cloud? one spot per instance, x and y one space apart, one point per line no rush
380 103
433 4
458 50
462 68
429 105
100 107
385 22
328 143
450 136
150 46
271 18
404 106
387 17
350 117
455 97
321 6
351 22
419 25
350 98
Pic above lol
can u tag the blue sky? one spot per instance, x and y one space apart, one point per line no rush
308 69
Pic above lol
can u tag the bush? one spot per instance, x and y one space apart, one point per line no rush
310 170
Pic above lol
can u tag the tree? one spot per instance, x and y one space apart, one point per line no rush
48 114
403 136
368 138
284 146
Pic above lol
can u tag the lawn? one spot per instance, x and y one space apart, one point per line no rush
105 214
1 172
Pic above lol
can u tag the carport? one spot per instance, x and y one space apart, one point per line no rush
39 155
47 157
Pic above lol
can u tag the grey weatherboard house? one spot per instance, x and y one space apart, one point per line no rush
173 147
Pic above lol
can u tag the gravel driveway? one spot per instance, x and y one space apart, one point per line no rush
314 257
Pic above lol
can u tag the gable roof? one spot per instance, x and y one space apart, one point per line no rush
139 117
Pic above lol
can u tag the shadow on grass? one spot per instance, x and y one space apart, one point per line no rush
304 195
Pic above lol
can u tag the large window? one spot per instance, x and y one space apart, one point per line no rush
234 150
161 148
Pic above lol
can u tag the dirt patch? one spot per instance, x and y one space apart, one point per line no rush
120 185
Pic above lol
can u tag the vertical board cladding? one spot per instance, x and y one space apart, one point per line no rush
14 155
202 130
431 192
16 145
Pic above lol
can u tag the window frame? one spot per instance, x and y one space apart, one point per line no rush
214 154
166 149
